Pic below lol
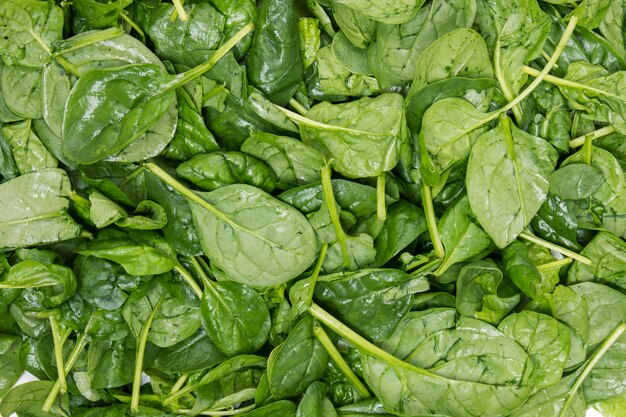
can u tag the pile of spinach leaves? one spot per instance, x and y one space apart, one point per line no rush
304 208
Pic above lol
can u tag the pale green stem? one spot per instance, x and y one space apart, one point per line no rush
343 366
549 245
81 342
141 351
567 83
58 341
189 279
316 271
86 39
182 14
234 412
365 345
431 221
331 204
193 73
179 383
540 76
134 26
381 206
297 106
195 264
588 149
596 134
556 264
597 355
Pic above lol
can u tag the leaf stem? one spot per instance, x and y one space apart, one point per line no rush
141 351
549 245
133 25
58 341
81 342
431 221
234 412
316 272
341 363
185 77
381 207
556 264
331 204
596 134
297 106
85 39
593 361
189 279
568 83
179 383
588 149
365 345
182 14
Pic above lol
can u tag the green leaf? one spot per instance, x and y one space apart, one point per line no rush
575 181
252 238
217 169
177 318
33 274
28 152
10 366
27 30
195 353
362 137
295 364
35 210
522 269
544 339
447 372
462 238
27 400
514 167
235 317
571 309
387 12
293 162
608 256
273 63
482 293
372 301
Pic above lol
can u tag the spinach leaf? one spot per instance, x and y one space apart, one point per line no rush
346 133
514 166
483 293
608 254
571 309
293 162
556 222
387 12
357 27
235 317
196 353
523 272
28 152
189 42
544 339
10 367
138 253
239 225
314 402
295 364
403 225
435 363
21 90
372 301
237 14
274 63
35 210
217 169
143 97
100 15
27 399
606 206
462 238
177 318
192 136
401 45
28 28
